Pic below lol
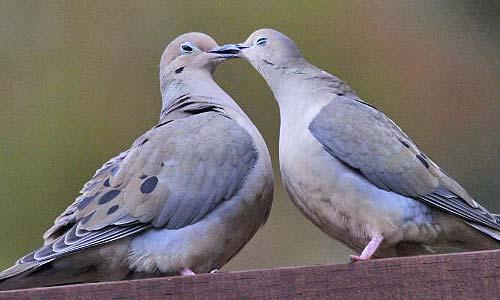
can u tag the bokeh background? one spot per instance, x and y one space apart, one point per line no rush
79 82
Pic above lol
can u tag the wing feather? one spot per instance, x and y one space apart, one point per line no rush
171 177
368 141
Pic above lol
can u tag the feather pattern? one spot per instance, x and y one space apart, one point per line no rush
368 141
142 187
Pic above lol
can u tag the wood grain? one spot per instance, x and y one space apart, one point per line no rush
474 275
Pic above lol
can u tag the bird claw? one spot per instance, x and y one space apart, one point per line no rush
355 258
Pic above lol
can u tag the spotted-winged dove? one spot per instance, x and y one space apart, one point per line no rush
353 172
185 198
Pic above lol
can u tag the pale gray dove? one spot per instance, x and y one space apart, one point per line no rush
353 172
184 199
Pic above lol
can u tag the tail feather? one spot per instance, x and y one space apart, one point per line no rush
9 278
495 234
43 274
20 268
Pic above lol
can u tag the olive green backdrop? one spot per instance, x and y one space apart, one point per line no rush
78 83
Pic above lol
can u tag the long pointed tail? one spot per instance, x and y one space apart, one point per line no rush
39 274
495 234
12 278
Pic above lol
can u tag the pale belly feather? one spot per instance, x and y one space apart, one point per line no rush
342 202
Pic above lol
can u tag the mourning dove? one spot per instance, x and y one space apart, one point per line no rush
353 172
184 199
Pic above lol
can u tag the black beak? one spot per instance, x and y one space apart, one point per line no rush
229 49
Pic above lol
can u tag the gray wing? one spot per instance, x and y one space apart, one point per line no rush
171 177
369 142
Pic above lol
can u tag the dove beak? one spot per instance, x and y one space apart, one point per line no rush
227 51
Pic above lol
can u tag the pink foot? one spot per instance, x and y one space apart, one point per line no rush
187 272
355 258
369 249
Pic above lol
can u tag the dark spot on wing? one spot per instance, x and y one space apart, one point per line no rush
404 143
423 161
106 182
86 201
108 196
87 218
112 209
179 70
149 185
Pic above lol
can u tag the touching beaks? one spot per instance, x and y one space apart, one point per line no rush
228 50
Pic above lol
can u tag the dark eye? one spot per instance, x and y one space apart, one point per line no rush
261 41
187 48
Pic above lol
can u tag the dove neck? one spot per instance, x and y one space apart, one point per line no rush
293 81
198 84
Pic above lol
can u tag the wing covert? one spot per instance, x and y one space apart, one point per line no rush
369 142
171 177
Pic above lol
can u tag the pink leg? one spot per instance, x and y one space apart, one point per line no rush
369 249
187 272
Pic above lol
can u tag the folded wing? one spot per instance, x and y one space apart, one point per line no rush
369 142
171 177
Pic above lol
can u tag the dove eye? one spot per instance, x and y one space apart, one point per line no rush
187 48
261 41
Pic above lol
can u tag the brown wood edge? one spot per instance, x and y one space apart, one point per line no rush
468 275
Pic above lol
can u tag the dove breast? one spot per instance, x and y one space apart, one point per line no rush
211 241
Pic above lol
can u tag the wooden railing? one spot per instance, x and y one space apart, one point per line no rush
474 275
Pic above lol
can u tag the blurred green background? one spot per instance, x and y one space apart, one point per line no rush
79 82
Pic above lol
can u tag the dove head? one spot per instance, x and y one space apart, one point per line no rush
272 54
191 52
269 47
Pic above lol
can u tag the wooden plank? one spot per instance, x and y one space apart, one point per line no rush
474 275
